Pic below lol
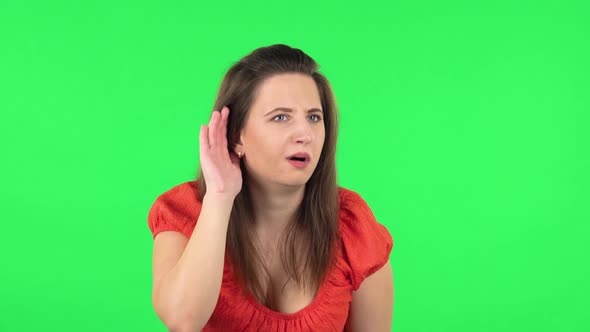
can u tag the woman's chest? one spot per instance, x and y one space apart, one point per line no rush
282 293
238 310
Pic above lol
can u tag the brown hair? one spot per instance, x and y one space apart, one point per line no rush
314 225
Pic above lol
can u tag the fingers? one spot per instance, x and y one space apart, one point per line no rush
203 139
224 116
215 134
213 129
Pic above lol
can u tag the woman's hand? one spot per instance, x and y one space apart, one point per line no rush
221 168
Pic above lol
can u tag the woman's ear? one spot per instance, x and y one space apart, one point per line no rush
238 147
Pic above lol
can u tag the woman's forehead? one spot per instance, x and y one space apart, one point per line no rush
291 91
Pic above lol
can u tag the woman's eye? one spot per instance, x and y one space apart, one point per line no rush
317 116
313 115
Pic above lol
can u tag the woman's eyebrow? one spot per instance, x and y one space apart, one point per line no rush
290 110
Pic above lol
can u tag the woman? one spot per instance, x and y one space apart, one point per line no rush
264 239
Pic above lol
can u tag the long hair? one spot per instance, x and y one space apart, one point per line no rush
313 228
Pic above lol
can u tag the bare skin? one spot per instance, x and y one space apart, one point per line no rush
268 138
187 272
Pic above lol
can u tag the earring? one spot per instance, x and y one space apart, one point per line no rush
240 154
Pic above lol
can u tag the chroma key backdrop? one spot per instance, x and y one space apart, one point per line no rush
463 124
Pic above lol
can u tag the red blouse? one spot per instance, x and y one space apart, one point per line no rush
366 243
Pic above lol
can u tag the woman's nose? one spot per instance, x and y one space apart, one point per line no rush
304 131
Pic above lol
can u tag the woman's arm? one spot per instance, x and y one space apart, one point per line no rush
187 274
372 304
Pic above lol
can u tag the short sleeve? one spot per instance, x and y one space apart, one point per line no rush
366 243
177 210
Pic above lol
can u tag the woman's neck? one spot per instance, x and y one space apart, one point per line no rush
274 206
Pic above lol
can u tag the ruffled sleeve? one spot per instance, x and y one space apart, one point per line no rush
366 243
177 210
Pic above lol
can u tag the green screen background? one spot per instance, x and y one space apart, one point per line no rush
464 125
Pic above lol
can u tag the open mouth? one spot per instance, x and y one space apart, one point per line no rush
300 160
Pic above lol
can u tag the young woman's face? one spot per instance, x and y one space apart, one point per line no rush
272 135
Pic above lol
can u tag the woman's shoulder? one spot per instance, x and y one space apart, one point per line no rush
347 194
176 209
353 208
367 243
184 190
